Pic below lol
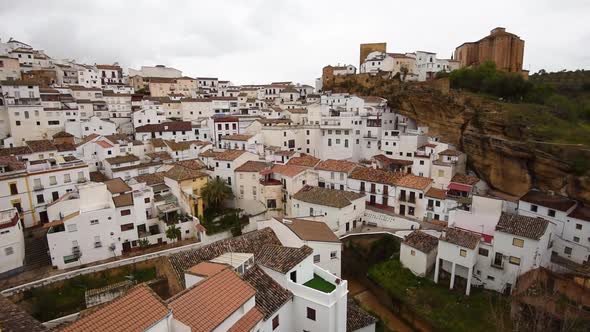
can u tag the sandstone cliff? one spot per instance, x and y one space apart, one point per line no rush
499 150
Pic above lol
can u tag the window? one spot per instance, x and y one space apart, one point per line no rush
329 142
463 253
412 252
18 123
67 178
567 250
576 239
40 199
534 208
551 213
333 254
293 276
125 212
146 200
578 226
13 189
316 258
275 322
310 313
491 278
127 227
484 252
72 228
94 222
345 143
514 260
9 251
518 242
421 162
52 180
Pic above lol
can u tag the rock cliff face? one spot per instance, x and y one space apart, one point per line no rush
498 150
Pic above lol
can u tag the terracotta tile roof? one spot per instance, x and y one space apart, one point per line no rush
270 296
117 137
436 193
204 306
209 154
226 119
137 310
123 200
206 269
304 160
14 319
194 164
181 173
104 144
166 126
288 170
237 137
356 317
274 121
97 177
109 67
297 110
529 227
248 321
414 182
157 143
117 186
555 202
122 159
162 155
16 151
327 197
282 259
386 161
150 179
250 243
12 163
177 146
62 134
284 153
41 145
581 212
376 175
461 238
229 155
450 152
65 147
88 139
310 230
253 166
421 241
336 165
465 179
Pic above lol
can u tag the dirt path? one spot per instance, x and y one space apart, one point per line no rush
369 302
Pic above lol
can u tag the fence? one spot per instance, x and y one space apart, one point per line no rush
105 266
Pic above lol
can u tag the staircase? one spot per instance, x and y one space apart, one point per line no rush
36 250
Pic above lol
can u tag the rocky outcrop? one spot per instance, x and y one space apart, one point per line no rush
498 150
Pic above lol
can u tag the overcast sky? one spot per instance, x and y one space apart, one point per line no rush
258 41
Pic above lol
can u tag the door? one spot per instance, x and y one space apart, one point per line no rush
347 226
385 200
43 216
354 224
372 200
402 210
126 246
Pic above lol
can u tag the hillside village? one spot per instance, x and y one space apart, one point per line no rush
245 195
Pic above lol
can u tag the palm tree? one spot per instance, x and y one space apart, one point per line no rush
215 192
173 233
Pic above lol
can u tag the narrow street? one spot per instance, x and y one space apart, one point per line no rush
368 301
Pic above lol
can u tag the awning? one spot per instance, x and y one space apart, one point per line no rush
459 187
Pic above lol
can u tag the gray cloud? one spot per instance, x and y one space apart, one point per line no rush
265 40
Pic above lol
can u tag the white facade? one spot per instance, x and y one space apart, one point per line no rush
12 241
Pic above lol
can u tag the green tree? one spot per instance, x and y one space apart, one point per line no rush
143 242
215 192
173 233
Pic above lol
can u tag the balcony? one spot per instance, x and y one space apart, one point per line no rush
38 187
82 180
430 208
412 200
402 198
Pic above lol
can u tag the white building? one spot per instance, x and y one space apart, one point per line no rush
12 241
341 210
293 232
418 252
